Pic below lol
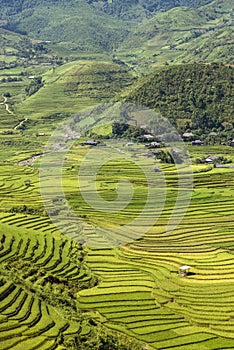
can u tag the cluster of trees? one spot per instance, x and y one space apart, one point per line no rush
194 97
10 79
170 157
24 209
34 86
142 8
128 131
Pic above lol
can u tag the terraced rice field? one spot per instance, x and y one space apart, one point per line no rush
140 292
27 320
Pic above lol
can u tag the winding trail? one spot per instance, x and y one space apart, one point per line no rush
10 112
6 105
20 123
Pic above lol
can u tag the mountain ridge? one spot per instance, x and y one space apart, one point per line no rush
95 26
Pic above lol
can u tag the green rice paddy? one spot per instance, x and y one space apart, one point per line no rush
139 292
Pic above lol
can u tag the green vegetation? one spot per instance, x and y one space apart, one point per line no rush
195 97
141 8
41 272
62 284
54 291
186 31
181 35
76 23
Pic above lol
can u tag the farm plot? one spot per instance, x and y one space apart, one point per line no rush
37 269
135 297
141 292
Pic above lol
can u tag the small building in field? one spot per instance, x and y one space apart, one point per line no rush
197 143
187 134
221 166
184 270
211 159
90 143
153 144
157 169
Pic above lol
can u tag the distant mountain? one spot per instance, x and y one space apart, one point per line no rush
142 8
64 21
142 33
194 97
182 35
93 25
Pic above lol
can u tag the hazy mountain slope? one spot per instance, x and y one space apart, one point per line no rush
142 8
60 21
122 8
93 25
11 43
183 35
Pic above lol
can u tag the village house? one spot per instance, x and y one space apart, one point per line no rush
187 134
211 159
221 166
153 144
184 270
90 143
197 143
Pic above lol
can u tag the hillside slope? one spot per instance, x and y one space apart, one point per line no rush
138 9
193 96
59 21
182 35
92 25
74 86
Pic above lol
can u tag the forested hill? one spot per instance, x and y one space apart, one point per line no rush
195 97
92 25
140 8
114 7
73 22
182 35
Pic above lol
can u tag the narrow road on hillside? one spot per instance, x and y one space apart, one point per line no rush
20 123
6 105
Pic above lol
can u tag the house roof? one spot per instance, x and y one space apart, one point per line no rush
221 166
148 136
211 158
185 267
197 142
187 134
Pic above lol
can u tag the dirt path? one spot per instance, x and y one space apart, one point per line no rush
6 105
30 160
10 112
20 123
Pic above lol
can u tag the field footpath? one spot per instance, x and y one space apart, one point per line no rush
6 105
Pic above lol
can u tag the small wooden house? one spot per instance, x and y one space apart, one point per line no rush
197 143
184 270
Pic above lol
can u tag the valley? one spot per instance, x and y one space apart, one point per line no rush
116 174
